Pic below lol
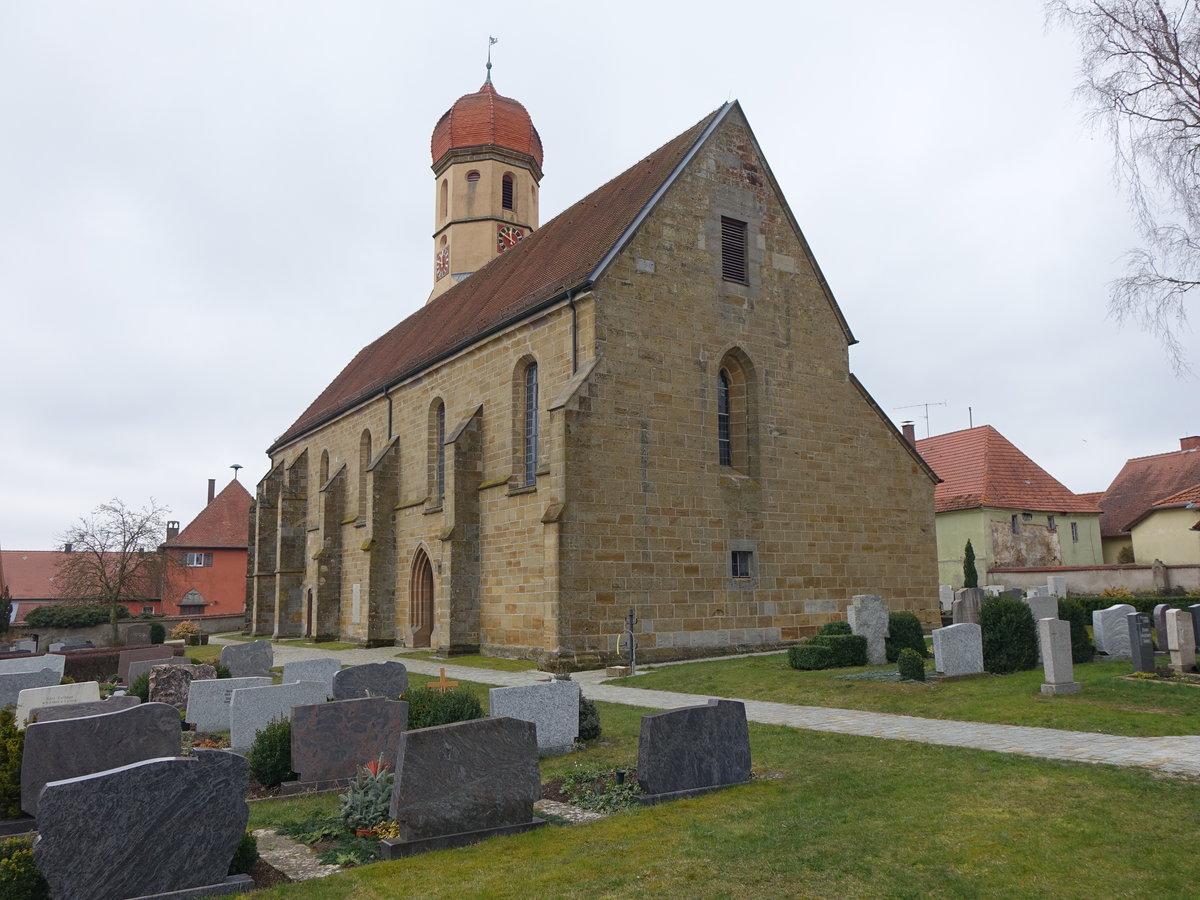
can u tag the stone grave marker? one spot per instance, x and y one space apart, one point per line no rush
252 709
989 590
945 597
13 683
458 784
1013 594
55 695
138 634
69 748
146 829
1141 641
1181 640
1057 585
958 649
25 646
1039 590
1042 607
171 683
1111 630
553 708
385 679
1194 609
1054 637
321 670
54 661
115 703
208 701
331 740
248 659
143 666
868 616
1160 625
162 651
693 750
966 605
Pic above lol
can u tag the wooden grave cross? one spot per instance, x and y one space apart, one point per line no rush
442 684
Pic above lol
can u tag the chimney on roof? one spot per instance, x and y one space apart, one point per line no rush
172 529
68 547
212 489
910 432
1190 443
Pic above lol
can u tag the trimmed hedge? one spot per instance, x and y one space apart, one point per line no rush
72 615
846 649
428 707
904 630
99 663
808 657
1071 610
1009 635
835 628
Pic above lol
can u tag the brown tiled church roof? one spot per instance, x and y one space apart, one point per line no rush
1144 482
483 119
560 256
224 522
980 467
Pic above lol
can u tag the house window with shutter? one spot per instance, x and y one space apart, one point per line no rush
733 250
197 560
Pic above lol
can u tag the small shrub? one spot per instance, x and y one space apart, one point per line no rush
12 746
596 787
271 754
141 687
184 629
222 670
589 720
368 797
19 877
1125 557
72 615
1009 635
911 664
809 657
904 630
428 707
846 649
835 628
244 856
158 634
1073 611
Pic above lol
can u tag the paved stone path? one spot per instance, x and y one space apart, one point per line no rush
1167 754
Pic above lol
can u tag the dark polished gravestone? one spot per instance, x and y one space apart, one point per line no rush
1141 641
693 750
459 784
113 704
1160 626
147 829
330 741
1194 609
69 748
164 652
12 683
384 679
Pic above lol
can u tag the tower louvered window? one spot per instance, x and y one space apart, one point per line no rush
506 192
733 250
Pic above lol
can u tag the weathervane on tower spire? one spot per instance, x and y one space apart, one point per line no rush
491 40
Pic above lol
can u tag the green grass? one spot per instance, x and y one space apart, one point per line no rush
320 645
1108 703
473 660
839 817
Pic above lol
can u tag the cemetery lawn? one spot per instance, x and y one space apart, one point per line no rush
830 816
1108 702
473 660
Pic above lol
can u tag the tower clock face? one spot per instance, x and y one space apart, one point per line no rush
441 263
506 236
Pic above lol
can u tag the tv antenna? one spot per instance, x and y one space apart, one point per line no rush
924 406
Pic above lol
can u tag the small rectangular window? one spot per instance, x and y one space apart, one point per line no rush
1026 517
1050 523
197 560
733 250
1016 524
1075 532
739 563
147 609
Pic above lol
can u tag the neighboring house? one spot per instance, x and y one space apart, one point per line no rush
1146 508
32 578
207 576
643 405
1014 513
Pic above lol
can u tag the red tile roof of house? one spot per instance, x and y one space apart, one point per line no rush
225 522
482 119
980 467
559 256
30 574
1143 483
1187 496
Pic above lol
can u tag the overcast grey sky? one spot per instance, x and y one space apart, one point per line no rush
207 208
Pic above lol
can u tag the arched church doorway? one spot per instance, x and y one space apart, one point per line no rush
420 600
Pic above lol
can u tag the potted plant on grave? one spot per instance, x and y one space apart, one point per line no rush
367 798
189 631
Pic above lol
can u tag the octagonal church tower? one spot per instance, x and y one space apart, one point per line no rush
487 163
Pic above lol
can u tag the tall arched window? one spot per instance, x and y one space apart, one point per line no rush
506 192
323 472
364 463
724 440
437 453
420 599
530 421
737 413
445 189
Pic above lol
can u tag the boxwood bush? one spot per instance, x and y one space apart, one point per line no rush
271 754
72 615
589 720
846 649
1071 610
809 657
428 707
1009 635
904 630
911 664
835 628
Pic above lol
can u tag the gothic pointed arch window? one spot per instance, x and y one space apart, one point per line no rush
736 408
421 599
364 463
526 422
445 198
437 453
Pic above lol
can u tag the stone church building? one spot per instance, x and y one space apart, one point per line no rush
645 403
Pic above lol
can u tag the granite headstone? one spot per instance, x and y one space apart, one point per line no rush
966 605
13 683
138 633
125 657
69 748
1181 641
331 740
1160 625
945 597
115 703
149 828
552 707
1057 585
321 670
1054 637
248 659
170 683
209 699
868 616
1194 609
55 695
958 649
1141 641
252 709
693 749
1042 607
384 679
1110 630
55 661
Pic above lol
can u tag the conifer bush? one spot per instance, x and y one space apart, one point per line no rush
970 573
904 630
589 720
1076 613
911 664
271 754
158 633
12 746
809 657
245 855
140 687
1009 635
428 707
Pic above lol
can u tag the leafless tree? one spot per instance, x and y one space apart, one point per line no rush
114 557
1141 81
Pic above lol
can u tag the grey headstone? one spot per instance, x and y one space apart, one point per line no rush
162 651
1057 585
945 597
464 777
1194 609
209 699
1042 607
1054 637
149 828
385 679
1160 625
694 748
138 634
331 740
25 646
1039 590
1181 640
141 667
12 683
1141 641
54 695
965 608
958 649
33 664
989 590
1013 594
69 748
248 659
868 616
553 708
252 709
1110 630
171 683
321 670
115 703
